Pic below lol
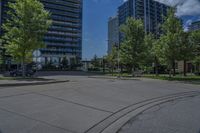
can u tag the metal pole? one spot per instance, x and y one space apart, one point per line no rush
118 56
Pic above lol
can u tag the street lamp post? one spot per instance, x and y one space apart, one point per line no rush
118 59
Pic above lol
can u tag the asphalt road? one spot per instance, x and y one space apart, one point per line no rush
83 105
180 116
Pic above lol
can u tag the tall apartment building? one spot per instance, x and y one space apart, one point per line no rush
113 32
3 17
149 11
64 37
195 26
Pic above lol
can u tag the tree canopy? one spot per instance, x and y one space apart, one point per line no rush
132 47
25 28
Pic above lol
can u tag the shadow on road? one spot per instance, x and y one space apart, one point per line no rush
67 73
32 79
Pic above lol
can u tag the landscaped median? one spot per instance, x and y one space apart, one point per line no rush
190 78
12 82
187 79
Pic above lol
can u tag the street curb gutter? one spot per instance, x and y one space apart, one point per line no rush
34 84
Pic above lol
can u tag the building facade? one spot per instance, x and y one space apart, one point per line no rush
64 37
149 11
3 15
195 26
5 59
113 32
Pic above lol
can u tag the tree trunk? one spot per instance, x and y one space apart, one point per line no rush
174 68
112 70
184 68
198 70
157 73
133 70
4 61
170 72
156 67
23 68
121 67
103 66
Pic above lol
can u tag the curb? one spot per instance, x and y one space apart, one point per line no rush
29 84
115 78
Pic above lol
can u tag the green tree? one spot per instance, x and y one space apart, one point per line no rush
151 57
195 40
158 51
132 47
95 62
24 30
186 50
112 58
172 29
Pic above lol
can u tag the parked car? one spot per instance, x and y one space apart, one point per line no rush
16 73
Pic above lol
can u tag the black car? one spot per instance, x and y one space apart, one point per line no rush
19 72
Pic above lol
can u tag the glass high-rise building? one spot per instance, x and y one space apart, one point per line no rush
194 26
64 37
113 33
150 12
5 59
3 15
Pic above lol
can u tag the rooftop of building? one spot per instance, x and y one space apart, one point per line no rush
127 2
113 17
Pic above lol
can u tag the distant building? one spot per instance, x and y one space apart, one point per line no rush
195 26
64 38
149 11
113 32
189 67
86 65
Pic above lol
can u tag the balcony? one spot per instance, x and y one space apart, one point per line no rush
70 3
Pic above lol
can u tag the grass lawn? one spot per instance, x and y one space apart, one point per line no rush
190 78
117 74
177 77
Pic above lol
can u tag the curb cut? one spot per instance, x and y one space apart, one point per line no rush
36 83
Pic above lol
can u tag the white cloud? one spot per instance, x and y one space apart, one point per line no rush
184 7
187 25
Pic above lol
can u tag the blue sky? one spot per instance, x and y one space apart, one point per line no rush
97 12
95 18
